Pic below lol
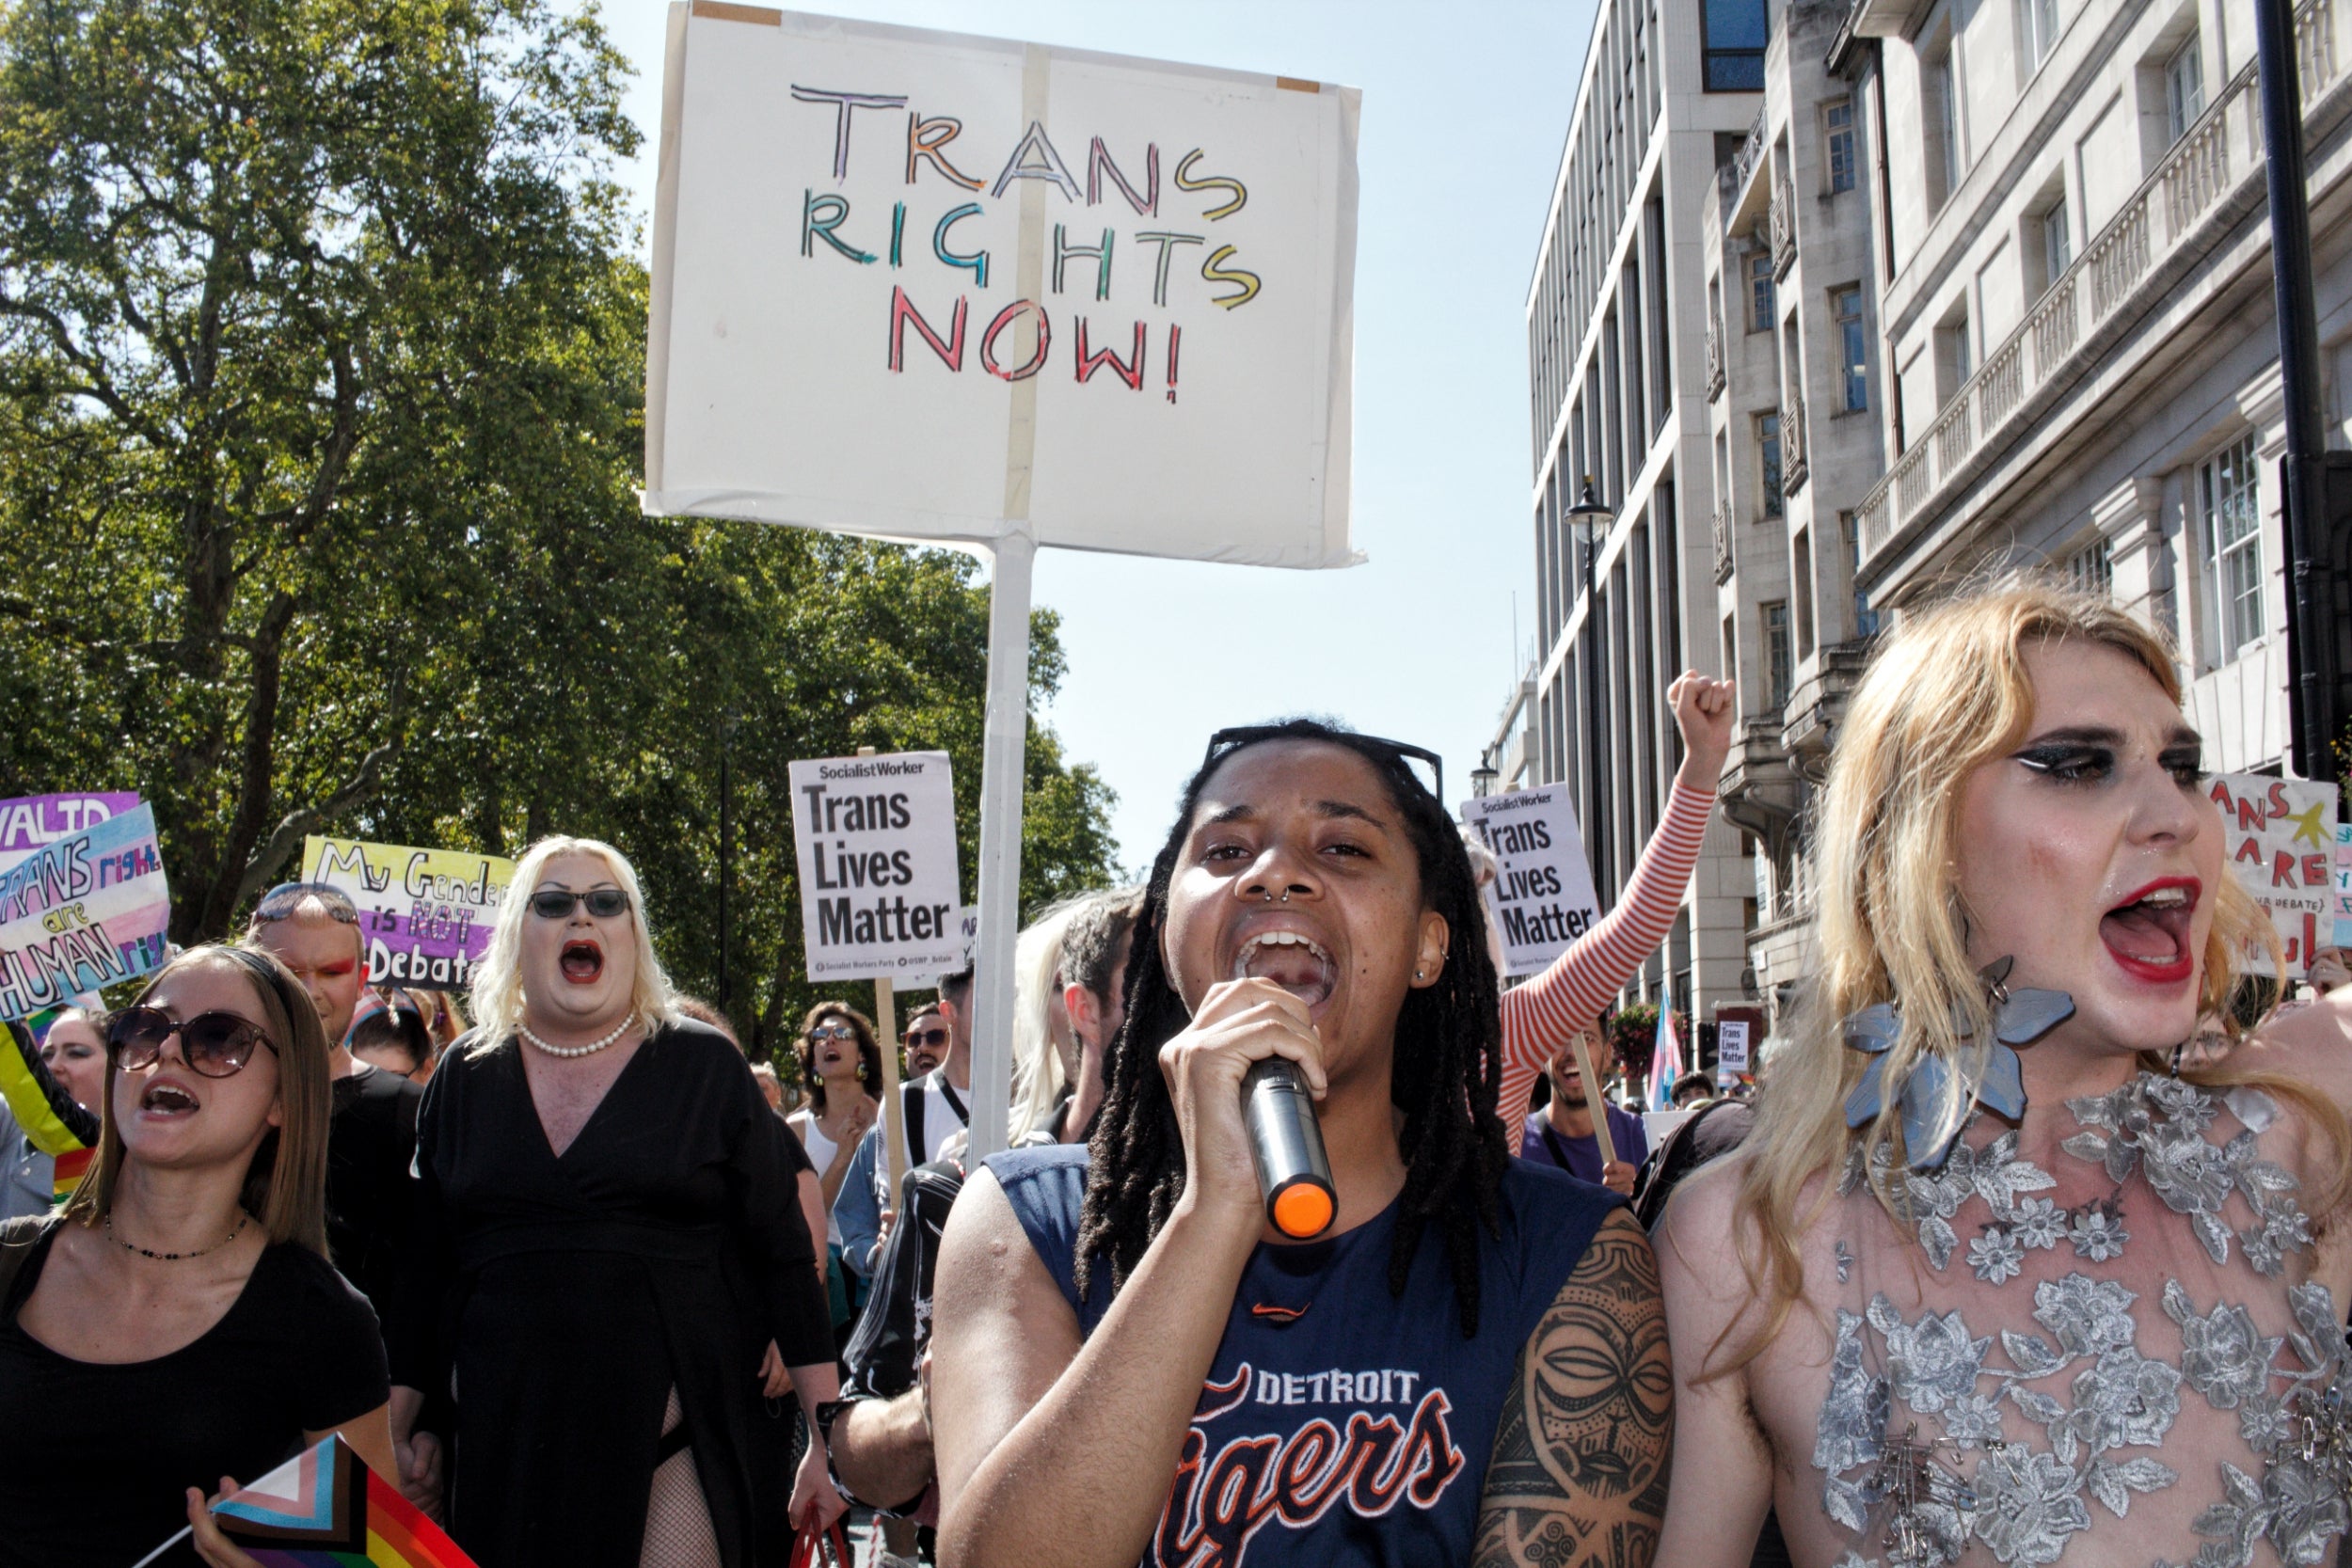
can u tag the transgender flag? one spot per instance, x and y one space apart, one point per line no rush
1666 1063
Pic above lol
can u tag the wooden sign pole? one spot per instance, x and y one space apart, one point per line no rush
1595 1098
894 1121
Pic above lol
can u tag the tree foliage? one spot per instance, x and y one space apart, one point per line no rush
321 381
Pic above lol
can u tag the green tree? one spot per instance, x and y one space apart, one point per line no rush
321 368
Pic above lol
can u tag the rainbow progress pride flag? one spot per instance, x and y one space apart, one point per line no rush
326 1509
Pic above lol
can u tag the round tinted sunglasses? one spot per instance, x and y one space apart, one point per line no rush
216 1045
550 903
832 1031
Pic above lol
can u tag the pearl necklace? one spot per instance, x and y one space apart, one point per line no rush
588 1050
176 1257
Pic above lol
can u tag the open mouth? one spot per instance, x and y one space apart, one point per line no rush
1293 960
2148 935
583 962
166 1100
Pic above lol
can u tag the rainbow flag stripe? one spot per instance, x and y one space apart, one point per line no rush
326 1509
70 1167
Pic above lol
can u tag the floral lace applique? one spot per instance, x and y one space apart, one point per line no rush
2083 1378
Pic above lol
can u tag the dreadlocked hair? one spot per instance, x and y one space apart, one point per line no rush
1445 1078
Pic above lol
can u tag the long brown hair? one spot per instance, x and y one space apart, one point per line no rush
285 1186
868 1051
1946 695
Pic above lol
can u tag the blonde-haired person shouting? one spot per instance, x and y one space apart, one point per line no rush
614 1267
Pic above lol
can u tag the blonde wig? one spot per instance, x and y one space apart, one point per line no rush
1038 1074
498 980
1946 695
285 1186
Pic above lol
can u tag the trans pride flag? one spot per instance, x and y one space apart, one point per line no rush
1666 1063
326 1509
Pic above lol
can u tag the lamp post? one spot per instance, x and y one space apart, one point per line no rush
1483 777
1591 522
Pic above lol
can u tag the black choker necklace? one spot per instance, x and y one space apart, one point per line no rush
175 1257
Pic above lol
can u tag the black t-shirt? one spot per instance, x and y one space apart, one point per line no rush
370 1144
96 1458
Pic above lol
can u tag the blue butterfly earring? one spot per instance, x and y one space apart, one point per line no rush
2019 1017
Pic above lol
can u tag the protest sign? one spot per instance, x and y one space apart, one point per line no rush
425 913
2344 884
2279 836
880 889
919 285
29 821
1542 896
1731 1050
86 910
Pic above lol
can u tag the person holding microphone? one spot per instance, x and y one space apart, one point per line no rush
1468 1361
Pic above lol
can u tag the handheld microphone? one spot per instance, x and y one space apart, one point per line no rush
1286 1142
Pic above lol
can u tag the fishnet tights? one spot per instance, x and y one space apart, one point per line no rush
677 1520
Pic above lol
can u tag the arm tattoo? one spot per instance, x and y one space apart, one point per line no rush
1580 1460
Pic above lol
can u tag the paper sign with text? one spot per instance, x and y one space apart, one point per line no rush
880 889
1541 898
918 285
1731 1050
2278 837
88 909
2344 884
425 913
29 821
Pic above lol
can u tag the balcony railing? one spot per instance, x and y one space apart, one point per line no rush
1783 228
2218 154
1723 544
1714 359
1737 172
1792 463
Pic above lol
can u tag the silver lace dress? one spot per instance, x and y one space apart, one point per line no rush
2133 1330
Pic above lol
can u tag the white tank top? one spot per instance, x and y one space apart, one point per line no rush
820 1151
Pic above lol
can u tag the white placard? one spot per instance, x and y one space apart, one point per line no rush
881 891
1541 898
917 285
1731 1050
2279 836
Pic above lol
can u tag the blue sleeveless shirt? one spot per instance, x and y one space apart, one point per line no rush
1340 1422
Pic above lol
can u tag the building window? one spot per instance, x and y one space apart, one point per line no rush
1800 554
2228 494
2036 30
1852 348
2184 88
2057 242
1760 292
1776 663
1733 47
1866 620
1731 653
1939 109
2093 570
1767 451
1837 130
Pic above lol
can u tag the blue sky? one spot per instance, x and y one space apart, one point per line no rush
1465 109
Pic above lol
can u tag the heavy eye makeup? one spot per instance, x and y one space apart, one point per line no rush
2091 759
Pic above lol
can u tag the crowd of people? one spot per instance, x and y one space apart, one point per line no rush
2029 1247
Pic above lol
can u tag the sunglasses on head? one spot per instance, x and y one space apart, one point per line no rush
927 1037
832 1031
282 901
1233 739
553 903
216 1045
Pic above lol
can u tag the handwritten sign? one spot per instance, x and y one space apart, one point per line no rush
2344 885
29 821
425 913
88 909
2280 837
1542 896
880 890
918 285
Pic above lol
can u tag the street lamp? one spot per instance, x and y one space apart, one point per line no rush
1592 521
1483 777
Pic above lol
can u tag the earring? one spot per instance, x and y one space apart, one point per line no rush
2176 1057
1416 975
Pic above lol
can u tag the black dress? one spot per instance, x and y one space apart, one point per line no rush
370 1143
563 1298
96 1457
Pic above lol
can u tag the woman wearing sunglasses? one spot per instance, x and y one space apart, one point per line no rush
614 1266
177 1323
1469 1364
841 1068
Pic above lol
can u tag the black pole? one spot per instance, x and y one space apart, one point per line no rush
2312 726
726 858
1592 703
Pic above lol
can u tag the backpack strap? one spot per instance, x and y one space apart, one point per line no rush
912 1097
19 1238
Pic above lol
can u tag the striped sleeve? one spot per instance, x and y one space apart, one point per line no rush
1539 1015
